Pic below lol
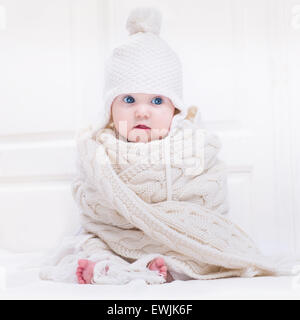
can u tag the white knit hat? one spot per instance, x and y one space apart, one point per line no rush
144 64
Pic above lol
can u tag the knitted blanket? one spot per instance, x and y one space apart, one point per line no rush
163 198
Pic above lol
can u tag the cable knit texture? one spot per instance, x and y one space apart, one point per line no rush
126 216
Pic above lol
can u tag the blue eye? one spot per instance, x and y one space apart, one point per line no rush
128 99
157 100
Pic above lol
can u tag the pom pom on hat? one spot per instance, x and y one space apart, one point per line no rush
144 19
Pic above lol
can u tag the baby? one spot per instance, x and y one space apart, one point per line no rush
142 97
140 221
137 117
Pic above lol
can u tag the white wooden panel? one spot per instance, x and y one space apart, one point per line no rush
50 65
233 141
50 84
35 67
36 215
33 159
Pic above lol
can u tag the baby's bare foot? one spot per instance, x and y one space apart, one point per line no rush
85 271
159 265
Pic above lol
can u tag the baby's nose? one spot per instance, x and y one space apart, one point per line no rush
142 111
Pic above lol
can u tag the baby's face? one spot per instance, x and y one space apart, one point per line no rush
133 109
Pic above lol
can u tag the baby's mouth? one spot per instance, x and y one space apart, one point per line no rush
141 126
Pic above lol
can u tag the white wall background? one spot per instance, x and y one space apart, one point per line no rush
241 68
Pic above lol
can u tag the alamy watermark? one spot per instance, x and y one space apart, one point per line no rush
184 150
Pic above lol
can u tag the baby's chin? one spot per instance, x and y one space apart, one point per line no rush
139 135
146 135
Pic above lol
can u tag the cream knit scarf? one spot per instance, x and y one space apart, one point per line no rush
164 198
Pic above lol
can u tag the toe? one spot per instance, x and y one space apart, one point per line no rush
79 279
160 262
163 269
82 263
79 274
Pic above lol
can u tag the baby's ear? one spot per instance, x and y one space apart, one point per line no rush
192 112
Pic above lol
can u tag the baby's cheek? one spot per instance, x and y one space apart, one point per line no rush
164 121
